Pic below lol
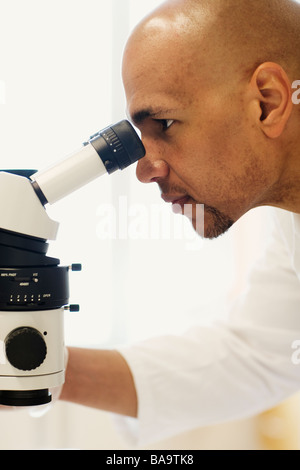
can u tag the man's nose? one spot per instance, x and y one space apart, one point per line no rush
151 167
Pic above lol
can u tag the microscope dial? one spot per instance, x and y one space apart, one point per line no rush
25 348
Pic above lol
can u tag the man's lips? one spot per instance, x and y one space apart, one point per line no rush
180 203
181 200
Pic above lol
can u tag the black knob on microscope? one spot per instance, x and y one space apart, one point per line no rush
25 348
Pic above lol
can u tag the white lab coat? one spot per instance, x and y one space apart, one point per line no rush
228 371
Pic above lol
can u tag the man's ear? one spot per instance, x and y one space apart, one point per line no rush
273 94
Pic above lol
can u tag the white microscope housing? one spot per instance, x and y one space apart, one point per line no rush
34 288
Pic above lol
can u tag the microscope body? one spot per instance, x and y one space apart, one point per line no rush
34 290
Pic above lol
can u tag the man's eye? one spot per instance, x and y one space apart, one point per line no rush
165 123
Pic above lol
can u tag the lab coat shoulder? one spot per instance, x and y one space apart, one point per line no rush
230 370
272 296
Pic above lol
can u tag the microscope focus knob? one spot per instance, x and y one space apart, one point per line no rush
25 348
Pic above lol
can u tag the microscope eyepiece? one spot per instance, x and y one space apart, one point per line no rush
118 146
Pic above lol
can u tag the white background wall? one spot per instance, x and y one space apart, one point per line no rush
60 82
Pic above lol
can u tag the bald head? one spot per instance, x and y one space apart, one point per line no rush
232 36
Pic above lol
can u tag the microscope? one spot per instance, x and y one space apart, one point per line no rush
34 288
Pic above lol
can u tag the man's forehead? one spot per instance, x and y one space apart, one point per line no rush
158 100
160 73
151 90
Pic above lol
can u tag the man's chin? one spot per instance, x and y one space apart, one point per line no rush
209 223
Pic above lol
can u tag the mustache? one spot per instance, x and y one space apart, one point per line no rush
166 188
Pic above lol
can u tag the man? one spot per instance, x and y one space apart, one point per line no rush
209 84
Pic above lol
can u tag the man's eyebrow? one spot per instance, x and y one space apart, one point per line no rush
140 116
